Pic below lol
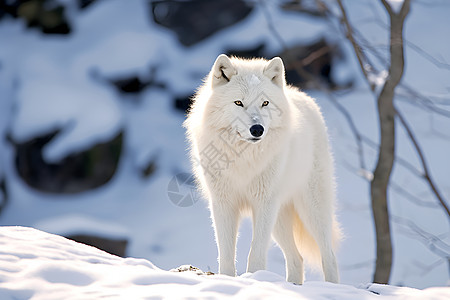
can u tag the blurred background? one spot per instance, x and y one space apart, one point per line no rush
93 95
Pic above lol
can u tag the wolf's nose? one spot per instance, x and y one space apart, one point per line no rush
257 130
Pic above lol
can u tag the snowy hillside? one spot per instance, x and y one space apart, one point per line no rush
38 265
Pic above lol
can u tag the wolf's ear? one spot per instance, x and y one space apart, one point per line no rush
275 71
222 70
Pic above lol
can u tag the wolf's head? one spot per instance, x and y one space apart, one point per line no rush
247 98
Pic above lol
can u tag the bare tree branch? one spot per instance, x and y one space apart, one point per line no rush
395 187
358 50
430 267
428 56
425 101
426 174
362 43
301 71
388 8
315 55
411 197
433 242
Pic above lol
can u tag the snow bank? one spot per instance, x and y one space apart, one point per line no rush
37 265
61 104
72 224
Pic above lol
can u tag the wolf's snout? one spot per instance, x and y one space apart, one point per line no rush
257 130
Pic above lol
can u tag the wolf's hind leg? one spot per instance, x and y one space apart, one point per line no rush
264 217
318 218
283 234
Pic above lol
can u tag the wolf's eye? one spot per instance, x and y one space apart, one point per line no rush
239 103
265 103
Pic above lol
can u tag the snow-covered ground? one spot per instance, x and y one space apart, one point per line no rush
117 38
38 265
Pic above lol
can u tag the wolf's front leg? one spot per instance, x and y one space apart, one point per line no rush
225 219
264 216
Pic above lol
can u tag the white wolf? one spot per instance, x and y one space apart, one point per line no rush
261 146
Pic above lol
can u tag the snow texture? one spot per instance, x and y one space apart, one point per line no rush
37 265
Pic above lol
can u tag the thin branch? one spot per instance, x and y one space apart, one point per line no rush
358 51
315 55
411 197
401 161
302 72
426 55
357 135
403 11
434 243
395 187
365 44
426 174
388 7
271 25
425 101
430 267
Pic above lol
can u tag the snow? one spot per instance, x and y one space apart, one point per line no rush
378 79
126 52
72 224
38 265
396 5
62 104
49 82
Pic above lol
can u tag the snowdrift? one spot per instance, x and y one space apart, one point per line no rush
39 265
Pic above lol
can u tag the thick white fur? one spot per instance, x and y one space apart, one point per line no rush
285 180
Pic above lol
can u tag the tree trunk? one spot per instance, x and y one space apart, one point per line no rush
382 173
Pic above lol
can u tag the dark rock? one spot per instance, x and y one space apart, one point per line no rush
308 63
3 194
183 103
9 8
114 246
82 4
310 7
134 84
130 84
258 51
149 169
195 20
76 173
45 15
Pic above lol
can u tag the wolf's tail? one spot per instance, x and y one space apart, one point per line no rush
307 245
